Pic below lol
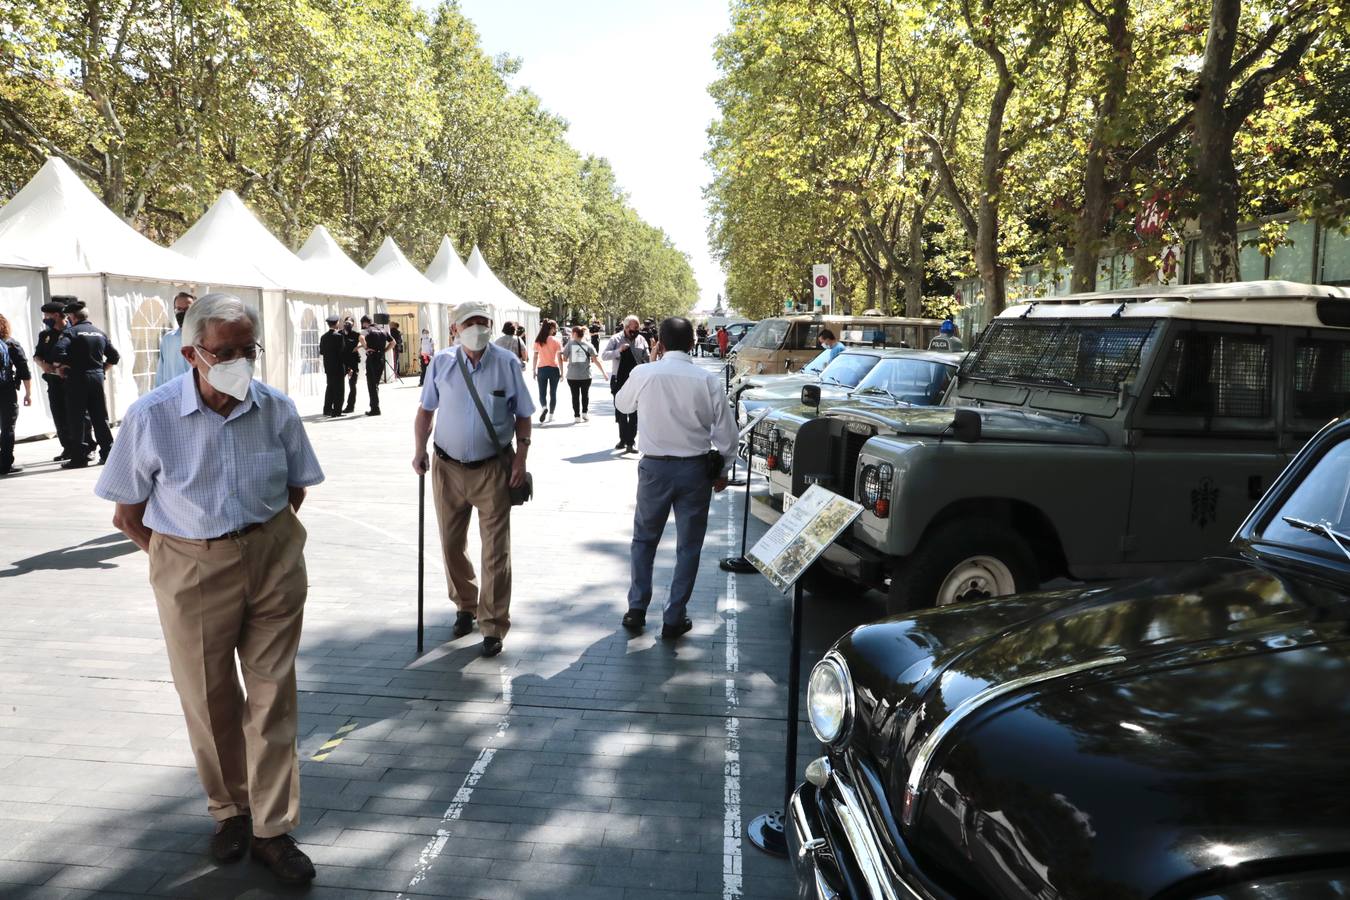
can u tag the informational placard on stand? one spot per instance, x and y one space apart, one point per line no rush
797 540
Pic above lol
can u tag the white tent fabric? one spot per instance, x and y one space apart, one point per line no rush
230 238
23 290
126 280
448 271
511 306
323 255
401 282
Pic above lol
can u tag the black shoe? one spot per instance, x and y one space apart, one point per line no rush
62 456
635 619
103 457
12 470
349 410
463 624
620 445
231 839
491 646
671 632
630 449
287 861
82 463
373 412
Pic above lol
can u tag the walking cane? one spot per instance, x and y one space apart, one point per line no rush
421 547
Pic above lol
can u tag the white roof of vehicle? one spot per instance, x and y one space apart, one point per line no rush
1245 302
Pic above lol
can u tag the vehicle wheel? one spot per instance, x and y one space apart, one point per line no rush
971 559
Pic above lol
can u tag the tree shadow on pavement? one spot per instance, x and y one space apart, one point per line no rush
93 554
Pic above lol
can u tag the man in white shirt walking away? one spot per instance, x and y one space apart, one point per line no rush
685 421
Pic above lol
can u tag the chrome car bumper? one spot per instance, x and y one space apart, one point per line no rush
837 853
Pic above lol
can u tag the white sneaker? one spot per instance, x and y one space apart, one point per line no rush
585 417
576 420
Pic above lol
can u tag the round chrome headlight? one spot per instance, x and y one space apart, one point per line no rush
829 700
869 486
785 455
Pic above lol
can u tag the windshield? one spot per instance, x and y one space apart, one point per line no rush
916 381
767 335
848 369
1086 354
1322 498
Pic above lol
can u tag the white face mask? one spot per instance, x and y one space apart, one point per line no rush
231 377
475 337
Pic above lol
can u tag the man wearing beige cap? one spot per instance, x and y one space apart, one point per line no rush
470 471
207 473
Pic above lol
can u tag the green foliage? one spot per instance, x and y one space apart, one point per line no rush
840 119
369 116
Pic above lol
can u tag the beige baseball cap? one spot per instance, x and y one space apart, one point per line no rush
470 308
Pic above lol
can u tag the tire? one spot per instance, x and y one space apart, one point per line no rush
962 561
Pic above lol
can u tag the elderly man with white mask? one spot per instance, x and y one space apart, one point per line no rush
470 472
208 473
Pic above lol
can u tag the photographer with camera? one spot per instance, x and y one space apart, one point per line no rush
684 413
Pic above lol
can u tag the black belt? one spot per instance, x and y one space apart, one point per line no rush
674 458
230 535
477 463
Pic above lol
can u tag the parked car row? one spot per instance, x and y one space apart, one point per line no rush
1178 735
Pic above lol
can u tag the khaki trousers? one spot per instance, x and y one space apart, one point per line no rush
458 492
243 596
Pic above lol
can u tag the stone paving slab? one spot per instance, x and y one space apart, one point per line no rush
581 763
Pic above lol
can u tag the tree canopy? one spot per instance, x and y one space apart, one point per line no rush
371 117
913 142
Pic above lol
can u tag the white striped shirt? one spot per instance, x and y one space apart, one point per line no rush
202 474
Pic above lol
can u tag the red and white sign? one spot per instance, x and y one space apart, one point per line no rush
823 281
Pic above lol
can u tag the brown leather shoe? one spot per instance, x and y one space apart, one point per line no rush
231 839
287 861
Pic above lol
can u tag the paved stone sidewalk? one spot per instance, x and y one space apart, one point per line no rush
581 763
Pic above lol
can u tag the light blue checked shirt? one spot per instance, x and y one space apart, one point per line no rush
459 429
204 474
171 363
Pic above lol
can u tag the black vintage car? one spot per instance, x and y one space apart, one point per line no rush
1181 737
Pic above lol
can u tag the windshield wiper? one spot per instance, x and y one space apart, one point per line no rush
873 389
1323 529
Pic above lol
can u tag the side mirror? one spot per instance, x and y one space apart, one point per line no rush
811 395
967 425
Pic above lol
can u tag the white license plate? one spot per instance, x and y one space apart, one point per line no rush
759 466
788 500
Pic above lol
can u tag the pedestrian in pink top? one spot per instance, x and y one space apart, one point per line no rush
547 367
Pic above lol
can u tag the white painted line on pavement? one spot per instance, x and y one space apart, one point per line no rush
427 858
731 762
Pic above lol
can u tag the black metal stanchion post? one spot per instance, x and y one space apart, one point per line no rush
740 564
767 831
421 551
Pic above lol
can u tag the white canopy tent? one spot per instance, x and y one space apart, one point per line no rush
447 270
323 250
294 297
502 297
411 296
23 290
127 281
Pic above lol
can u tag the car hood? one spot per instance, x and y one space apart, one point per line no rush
1157 730
789 391
997 423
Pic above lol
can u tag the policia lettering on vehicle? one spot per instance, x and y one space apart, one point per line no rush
333 350
44 354
84 353
377 341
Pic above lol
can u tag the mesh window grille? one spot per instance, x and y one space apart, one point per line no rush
1096 355
1211 374
148 325
309 344
1321 378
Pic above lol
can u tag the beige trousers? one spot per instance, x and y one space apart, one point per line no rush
240 596
458 492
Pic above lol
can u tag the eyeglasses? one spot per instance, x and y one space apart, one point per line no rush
229 354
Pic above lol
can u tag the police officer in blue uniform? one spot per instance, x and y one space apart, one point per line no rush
44 354
84 353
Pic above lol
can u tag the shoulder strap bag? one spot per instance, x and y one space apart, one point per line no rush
519 495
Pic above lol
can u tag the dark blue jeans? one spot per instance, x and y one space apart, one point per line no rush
548 377
663 485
